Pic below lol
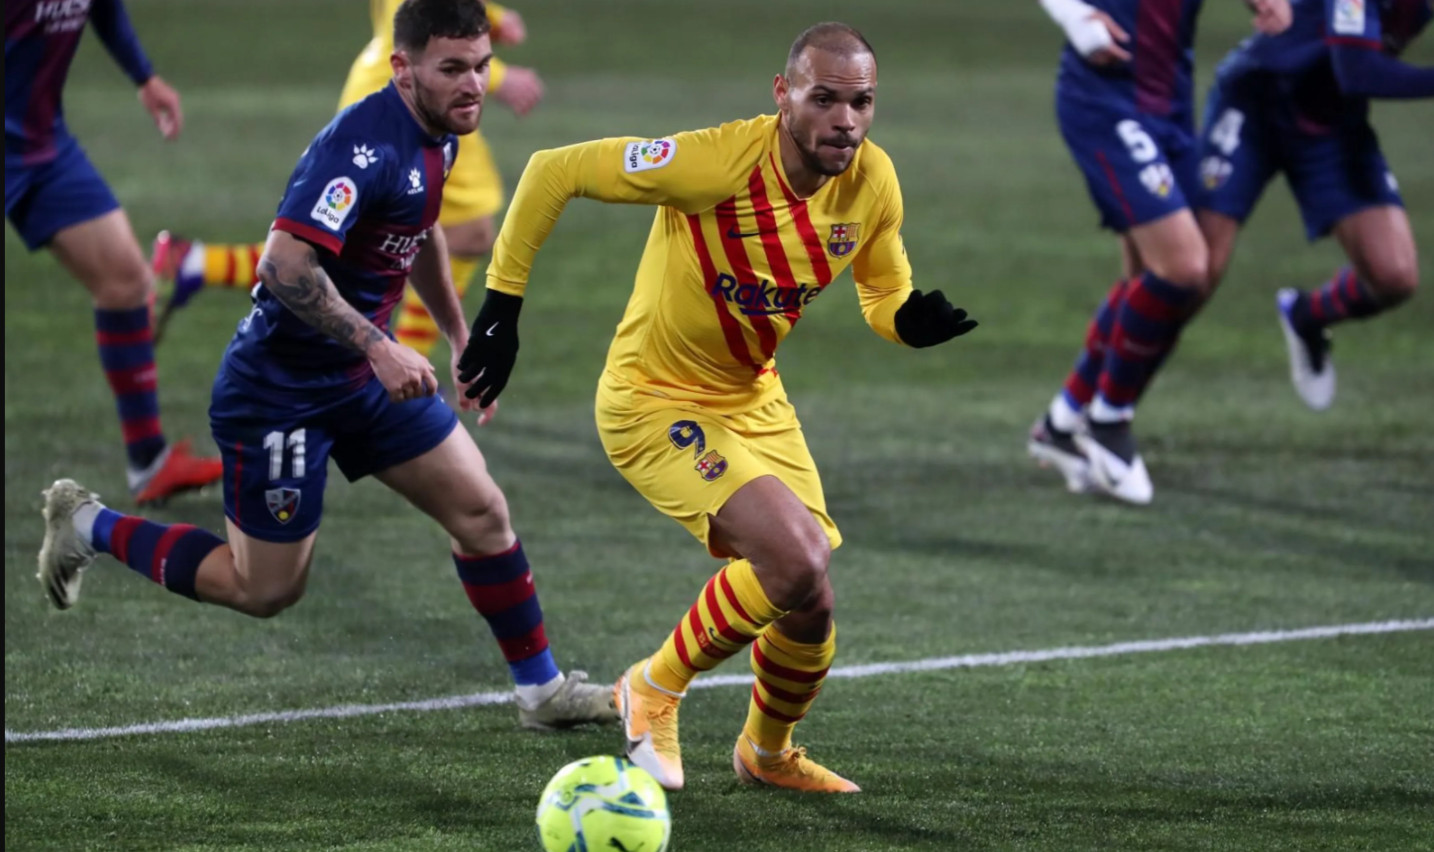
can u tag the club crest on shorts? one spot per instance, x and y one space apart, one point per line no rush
711 465
843 238
283 503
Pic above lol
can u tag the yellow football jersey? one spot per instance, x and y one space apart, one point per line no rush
732 259
374 57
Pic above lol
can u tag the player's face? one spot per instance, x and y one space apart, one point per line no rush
446 82
827 103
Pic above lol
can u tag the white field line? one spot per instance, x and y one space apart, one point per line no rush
966 661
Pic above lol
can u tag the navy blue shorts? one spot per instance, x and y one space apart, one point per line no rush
1138 167
44 199
276 447
1253 132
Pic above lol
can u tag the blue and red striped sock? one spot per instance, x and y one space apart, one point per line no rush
126 344
1146 328
167 554
1342 297
501 588
1080 385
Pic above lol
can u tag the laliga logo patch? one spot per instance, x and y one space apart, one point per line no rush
843 238
1349 17
648 154
335 202
283 503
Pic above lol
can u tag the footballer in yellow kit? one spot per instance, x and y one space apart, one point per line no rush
732 260
755 219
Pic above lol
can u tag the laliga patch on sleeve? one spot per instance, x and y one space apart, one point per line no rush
648 154
1349 17
334 204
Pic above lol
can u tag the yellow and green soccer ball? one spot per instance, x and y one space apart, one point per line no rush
603 803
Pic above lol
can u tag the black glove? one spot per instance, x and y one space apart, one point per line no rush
492 348
926 320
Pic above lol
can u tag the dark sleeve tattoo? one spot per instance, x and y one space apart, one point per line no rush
305 289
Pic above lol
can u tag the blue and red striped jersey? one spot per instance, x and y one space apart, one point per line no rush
41 37
366 193
1158 77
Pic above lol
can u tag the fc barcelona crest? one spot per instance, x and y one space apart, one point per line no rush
283 503
843 238
711 465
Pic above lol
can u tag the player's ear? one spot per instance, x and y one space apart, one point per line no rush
402 66
780 91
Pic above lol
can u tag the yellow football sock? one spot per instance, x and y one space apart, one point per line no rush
728 615
789 676
231 265
416 328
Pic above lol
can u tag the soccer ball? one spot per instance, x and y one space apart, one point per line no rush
603 803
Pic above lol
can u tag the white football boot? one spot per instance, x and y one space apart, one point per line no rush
64 555
1311 370
1116 467
575 702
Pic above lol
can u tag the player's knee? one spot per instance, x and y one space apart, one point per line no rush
267 601
1394 278
481 528
125 286
805 569
1189 271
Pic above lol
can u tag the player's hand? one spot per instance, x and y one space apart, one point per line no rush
162 103
510 29
487 361
465 403
926 320
1112 53
522 89
404 373
1272 17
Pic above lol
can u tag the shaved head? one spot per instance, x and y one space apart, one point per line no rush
830 37
826 98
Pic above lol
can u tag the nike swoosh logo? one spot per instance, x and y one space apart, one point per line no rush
491 329
734 234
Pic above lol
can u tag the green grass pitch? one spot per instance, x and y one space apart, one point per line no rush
1267 516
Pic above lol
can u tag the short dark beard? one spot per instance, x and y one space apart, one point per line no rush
814 162
433 121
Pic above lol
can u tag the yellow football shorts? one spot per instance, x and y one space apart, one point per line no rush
688 461
474 188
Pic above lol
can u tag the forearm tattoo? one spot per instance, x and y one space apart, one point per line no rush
306 290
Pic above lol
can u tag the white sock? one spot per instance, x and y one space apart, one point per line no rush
1103 412
647 676
761 752
193 263
1063 416
140 477
530 695
84 521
